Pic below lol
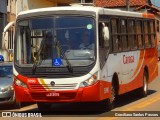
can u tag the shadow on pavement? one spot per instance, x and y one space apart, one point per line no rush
130 97
87 109
11 106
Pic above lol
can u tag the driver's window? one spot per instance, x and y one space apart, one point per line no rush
103 41
36 39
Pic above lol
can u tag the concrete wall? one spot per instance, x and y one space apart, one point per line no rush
11 6
40 4
11 10
33 4
3 4
3 12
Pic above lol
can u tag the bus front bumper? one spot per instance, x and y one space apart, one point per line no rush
86 94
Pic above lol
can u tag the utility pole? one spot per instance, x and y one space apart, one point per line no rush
127 5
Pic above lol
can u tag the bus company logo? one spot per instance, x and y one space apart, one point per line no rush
52 83
128 59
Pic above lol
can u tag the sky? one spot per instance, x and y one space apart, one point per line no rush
156 3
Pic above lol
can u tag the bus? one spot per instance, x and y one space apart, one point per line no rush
50 67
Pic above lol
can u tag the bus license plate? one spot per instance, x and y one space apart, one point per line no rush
52 94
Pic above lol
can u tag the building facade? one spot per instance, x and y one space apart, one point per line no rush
3 15
11 10
121 4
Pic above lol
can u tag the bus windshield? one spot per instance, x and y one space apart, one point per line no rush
55 41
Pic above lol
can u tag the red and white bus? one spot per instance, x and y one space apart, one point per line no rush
49 65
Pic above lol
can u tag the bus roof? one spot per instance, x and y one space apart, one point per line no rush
86 10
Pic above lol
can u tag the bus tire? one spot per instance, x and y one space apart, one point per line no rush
109 103
111 100
143 91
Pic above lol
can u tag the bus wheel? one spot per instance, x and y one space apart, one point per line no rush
143 91
43 106
112 98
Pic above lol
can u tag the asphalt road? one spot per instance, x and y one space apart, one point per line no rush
128 105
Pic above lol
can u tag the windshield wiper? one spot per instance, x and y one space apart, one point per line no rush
35 64
69 66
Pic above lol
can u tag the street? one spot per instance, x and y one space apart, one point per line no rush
87 111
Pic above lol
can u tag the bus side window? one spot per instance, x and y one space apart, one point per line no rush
116 41
158 25
139 34
131 34
105 30
146 34
123 27
158 31
152 33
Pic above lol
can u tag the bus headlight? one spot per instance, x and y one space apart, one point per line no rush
91 81
20 83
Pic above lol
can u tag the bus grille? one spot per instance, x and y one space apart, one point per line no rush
63 96
37 87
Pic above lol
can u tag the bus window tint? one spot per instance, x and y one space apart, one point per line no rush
139 33
131 35
152 26
115 38
103 42
158 25
123 27
147 43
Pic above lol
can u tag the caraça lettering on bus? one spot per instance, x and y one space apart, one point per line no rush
128 59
